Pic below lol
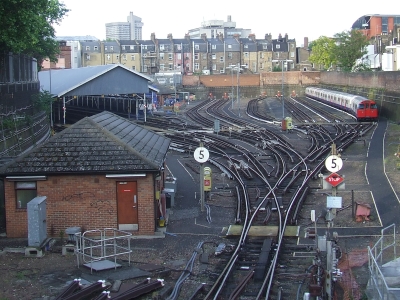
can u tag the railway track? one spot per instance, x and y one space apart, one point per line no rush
272 180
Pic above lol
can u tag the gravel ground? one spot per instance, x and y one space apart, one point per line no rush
45 277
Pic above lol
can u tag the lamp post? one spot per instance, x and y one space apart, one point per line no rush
231 67
283 100
237 68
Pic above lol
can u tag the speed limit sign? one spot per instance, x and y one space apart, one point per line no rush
201 154
333 163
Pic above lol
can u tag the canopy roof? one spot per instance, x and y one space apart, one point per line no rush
113 79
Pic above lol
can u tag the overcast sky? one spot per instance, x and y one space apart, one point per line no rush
299 19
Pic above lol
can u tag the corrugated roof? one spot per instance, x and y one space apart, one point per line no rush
103 143
94 80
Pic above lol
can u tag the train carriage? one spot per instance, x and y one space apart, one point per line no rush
360 107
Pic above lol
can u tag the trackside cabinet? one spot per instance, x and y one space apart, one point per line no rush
37 226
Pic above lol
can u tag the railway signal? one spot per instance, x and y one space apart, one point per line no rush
201 155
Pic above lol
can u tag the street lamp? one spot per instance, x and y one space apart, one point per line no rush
231 67
283 101
237 68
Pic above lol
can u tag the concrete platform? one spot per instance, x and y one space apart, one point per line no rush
263 231
102 265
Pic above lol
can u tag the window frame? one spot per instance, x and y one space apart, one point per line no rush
18 187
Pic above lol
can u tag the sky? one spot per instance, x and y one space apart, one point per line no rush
299 19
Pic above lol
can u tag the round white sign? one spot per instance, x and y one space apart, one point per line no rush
333 163
201 154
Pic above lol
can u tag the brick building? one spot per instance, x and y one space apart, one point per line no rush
102 172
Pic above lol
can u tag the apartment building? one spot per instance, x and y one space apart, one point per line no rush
130 30
189 56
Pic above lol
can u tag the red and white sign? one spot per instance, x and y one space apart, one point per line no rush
334 179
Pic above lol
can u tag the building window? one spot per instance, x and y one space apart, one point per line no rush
161 55
204 56
162 66
229 46
230 55
214 67
246 54
112 48
278 46
134 68
196 66
261 66
87 48
145 68
105 48
162 47
95 48
25 192
170 67
261 54
132 57
179 56
214 56
131 47
124 57
179 47
246 46
117 57
221 59
213 46
292 54
196 56
169 56
196 47
123 47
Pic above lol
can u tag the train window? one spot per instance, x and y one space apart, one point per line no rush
361 106
373 105
366 105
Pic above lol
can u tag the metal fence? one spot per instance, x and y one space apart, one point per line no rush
383 252
17 68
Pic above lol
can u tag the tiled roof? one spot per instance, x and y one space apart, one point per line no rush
103 143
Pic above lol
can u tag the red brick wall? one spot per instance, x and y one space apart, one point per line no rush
379 80
257 80
86 201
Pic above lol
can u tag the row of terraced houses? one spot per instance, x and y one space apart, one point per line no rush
190 56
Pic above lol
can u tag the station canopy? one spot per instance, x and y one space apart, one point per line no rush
112 79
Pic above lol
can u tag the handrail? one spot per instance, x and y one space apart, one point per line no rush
99 244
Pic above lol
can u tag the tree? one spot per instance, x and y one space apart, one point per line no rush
27 27
350 46
323 52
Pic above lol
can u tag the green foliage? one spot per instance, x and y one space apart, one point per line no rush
42 101
277 69
323 52
27 27
350 46
343 50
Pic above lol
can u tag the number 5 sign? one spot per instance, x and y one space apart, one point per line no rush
201 154
333 163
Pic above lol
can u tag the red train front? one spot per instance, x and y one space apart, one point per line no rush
367 110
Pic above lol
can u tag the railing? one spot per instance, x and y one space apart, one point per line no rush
97 245
382 252
17 68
